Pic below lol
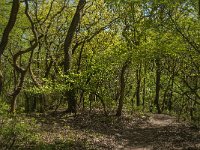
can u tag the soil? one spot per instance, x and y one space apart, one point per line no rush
130 132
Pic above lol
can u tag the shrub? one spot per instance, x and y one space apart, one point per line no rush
17 132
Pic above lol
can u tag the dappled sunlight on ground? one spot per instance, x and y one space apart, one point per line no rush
97 131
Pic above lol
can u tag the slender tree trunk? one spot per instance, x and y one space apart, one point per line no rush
6 32
169 104
80 57
102 102
16 93
122 88
13 103
91 100
138 84
81 100
70 96
144 87
158 77
199 9
22 71
164 99
9 26
1 80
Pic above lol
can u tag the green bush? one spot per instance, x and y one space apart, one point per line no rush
17 133
3 108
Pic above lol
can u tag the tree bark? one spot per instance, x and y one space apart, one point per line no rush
138 83
23 70
16 93
122 88
144 87
199 9
6 32
70 35
70 95
9 26
158 77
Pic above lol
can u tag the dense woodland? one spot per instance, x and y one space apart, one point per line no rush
111 57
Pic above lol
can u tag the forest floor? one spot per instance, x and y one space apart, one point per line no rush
134 132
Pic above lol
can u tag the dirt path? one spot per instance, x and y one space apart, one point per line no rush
159 132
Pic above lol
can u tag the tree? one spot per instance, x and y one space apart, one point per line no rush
22 71
6 32
71 99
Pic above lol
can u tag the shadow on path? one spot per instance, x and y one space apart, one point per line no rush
131 132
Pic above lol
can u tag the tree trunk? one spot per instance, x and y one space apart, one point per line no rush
122 89
144 87
199 9
169 104
138 83
70 35
72 101
9 26
30 102
70 95
158 76
16 93
22 71
6 32
1 82
92 98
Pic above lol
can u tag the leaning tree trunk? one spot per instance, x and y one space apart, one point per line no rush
70 95
23 70
122 88
6 32
9 26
